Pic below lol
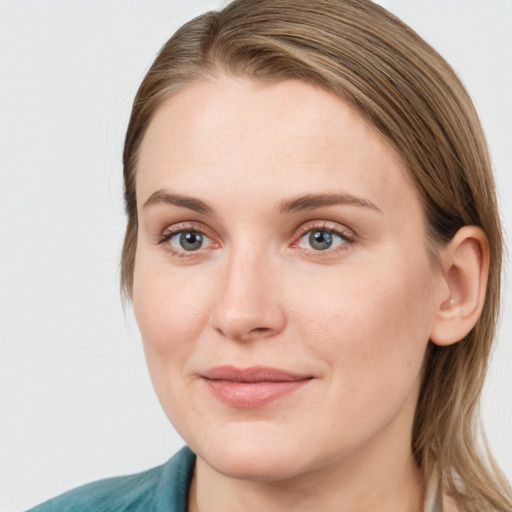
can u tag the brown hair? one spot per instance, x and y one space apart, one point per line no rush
408 93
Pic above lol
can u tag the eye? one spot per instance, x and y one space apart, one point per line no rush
322 239
188 240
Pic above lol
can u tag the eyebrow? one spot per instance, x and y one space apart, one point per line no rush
314 201
303 203
161 196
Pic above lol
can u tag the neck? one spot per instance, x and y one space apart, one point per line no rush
381 476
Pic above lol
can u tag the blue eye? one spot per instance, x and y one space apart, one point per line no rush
321 240
188 240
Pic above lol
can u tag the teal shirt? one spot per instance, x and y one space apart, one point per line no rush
161 489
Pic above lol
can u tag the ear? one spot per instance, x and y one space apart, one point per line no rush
465 266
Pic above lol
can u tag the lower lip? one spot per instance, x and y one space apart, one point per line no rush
247 395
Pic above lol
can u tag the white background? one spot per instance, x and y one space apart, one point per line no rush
76 403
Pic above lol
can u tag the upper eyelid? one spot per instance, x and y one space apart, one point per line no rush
335 227
171 230
188 226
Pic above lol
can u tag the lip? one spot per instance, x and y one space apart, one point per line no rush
252 387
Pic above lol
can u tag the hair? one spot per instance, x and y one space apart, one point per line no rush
407 92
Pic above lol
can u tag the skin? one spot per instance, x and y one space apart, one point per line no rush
357 317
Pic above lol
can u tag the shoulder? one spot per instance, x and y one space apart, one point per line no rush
162 488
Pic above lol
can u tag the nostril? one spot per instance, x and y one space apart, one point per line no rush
258 332
242 335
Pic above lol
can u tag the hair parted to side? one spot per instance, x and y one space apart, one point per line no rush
410 95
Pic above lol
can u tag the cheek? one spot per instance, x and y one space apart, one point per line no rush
171 309
371 326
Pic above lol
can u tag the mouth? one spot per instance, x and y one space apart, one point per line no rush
253 387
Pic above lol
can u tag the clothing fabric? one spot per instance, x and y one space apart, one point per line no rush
434 495
161 489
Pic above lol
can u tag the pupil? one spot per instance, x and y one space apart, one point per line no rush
320 240
190 240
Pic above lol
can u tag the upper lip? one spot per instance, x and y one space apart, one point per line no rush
252 374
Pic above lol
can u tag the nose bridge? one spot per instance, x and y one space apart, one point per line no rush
248 304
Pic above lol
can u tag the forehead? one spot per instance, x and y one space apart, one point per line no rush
278 138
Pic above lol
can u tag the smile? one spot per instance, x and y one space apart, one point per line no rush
252 387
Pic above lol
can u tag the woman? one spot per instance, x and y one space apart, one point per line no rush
313 251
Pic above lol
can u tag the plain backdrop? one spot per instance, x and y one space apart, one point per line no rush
76 402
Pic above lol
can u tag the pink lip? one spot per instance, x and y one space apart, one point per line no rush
252 387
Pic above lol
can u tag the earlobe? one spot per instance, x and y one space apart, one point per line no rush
465 262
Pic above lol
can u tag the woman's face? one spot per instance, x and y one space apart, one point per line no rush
282 284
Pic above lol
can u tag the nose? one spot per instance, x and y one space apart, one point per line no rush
248 305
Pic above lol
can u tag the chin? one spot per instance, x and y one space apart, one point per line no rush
254 465
257 457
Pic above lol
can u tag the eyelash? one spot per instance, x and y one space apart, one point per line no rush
171 231
347 236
